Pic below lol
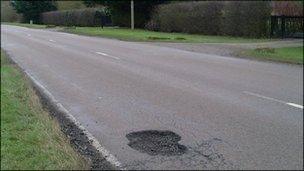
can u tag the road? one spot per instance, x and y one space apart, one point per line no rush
228 113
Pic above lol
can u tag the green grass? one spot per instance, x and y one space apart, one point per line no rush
286 54
30 138
145 35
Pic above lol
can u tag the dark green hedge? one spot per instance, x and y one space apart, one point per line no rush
235 18
187 17
247 18
81 17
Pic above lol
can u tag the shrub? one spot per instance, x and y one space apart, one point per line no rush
120 13
31 10
81 17
235 18
188 17
246 18
120 10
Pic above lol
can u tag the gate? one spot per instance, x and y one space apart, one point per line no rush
286 26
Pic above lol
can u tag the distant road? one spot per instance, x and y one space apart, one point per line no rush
230 113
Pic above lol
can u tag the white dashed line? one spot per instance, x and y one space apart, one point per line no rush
29 35
52 40
110 56
273 99
100 53
295 105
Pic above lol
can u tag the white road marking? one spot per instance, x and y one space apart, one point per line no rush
110 56
95 143
273 99
52 40
295 105
29 35
100 53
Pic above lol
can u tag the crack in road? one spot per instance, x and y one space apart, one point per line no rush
202 156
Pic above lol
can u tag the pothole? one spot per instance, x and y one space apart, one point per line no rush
154 142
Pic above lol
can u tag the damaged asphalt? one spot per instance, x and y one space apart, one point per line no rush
219 112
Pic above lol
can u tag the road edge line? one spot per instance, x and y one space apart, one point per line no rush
57 110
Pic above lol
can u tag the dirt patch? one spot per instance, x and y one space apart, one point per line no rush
154 142
50 26
158 38
179 38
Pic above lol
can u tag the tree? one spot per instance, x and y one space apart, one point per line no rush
8 14
31 9
120 10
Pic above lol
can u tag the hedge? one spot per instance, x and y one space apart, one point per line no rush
235 18
187 17
246 19
81 17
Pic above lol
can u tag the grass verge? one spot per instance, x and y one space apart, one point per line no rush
286 54
145 35
30 138
152 36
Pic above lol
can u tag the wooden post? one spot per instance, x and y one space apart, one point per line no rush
132 14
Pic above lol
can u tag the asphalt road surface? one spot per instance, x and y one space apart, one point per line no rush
212 112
